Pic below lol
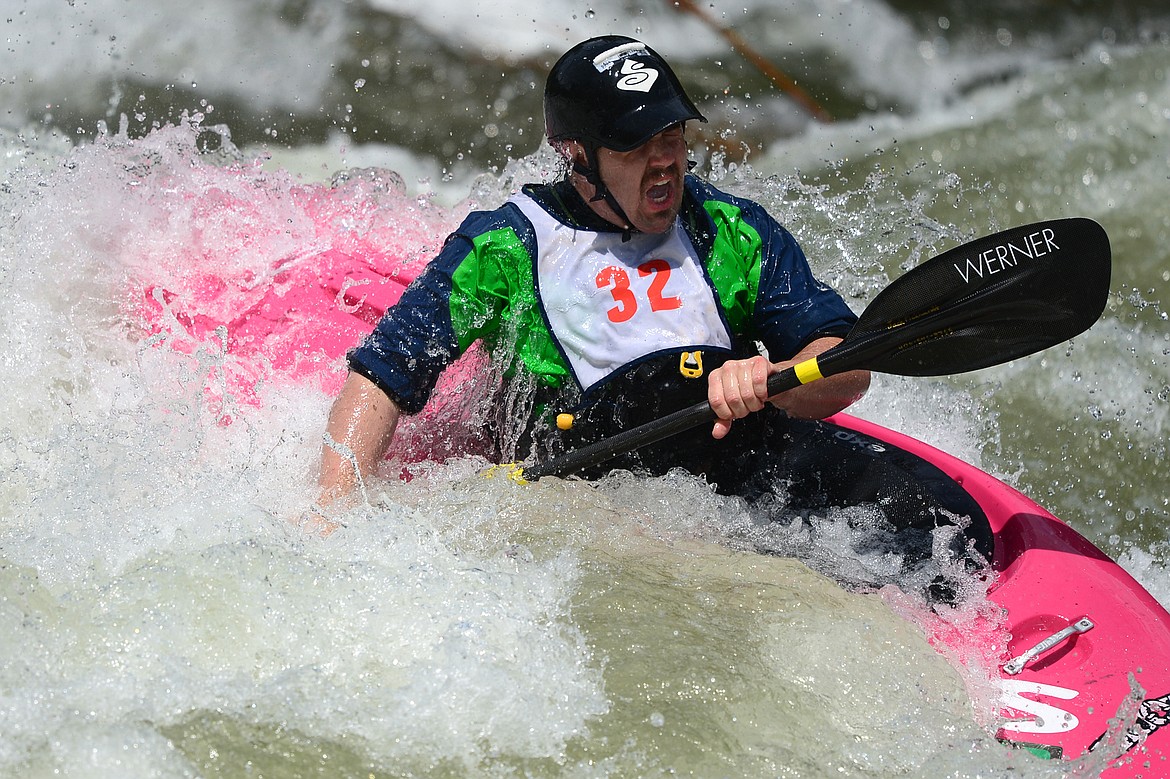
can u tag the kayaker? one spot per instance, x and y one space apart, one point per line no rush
625 290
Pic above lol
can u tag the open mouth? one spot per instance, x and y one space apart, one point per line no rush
661 194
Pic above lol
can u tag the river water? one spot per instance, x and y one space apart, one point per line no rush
163 617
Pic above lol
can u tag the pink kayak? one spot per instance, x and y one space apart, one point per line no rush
1081 651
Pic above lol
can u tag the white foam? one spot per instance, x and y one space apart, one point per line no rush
423 176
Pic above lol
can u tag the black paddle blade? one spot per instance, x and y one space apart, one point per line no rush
986 302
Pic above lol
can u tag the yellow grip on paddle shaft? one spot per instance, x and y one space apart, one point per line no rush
808 371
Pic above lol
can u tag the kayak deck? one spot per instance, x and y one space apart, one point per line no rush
1086 667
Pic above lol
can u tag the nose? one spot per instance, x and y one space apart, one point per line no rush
662 148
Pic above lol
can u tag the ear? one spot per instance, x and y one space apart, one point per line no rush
572 151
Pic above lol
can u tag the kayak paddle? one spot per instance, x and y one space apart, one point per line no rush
980 304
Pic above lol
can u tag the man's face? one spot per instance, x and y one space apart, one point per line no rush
647 181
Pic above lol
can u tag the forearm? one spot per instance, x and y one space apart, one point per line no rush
824 397
740 387
359 431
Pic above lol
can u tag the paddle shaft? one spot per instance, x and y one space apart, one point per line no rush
649 433
856 352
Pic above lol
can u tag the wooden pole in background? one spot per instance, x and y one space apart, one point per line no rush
778 77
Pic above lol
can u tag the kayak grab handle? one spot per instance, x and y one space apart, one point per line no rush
1016 664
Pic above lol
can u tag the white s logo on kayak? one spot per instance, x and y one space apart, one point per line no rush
636 77
1045 718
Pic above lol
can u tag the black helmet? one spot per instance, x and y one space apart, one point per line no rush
615 92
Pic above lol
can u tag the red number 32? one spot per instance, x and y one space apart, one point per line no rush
617 281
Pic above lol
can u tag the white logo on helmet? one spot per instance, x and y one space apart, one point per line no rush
634 76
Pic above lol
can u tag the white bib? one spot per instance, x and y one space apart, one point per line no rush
611 302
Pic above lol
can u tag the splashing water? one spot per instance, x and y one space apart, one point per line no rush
170 621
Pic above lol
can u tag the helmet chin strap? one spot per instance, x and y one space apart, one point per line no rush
592 173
